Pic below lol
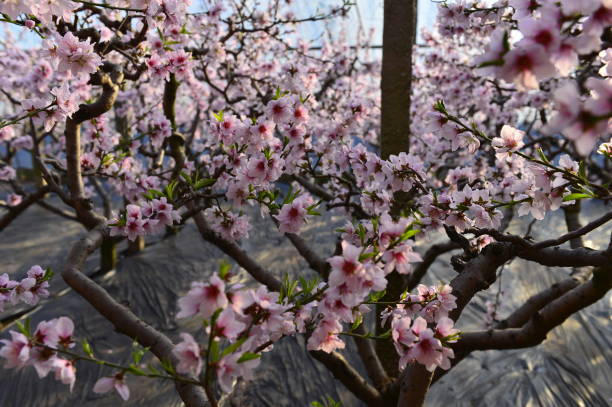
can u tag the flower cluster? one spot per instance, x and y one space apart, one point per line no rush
412 335
29 290
552 37
74 57
149 218
40 350
247 320
354 275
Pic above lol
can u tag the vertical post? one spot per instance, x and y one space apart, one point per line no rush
108 255
399 35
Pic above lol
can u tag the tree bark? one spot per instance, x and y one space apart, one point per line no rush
399 35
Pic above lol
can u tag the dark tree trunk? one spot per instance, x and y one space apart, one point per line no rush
399 34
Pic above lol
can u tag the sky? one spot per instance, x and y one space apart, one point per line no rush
369 12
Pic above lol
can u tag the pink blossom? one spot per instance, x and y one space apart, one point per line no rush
325 336
16 351
428 349
65 371
510 140
400 257
228 326
76 57
188 353
65 99
117 382
203 299
14 199
525 66
346 268
292 216
279 111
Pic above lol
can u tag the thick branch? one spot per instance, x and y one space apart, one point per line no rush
478 274
15 211
235 252
312 258
430 256
575 233
110 90
347 375
121 317
370 360
572 221
557 257
414 383
538 301
554 314
59 212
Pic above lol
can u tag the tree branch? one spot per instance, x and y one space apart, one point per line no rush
535 330
575 233
370 360
15 211
428 259
235 252
557 257
347 375
121 317
312 258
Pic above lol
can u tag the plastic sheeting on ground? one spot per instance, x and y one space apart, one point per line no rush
571 368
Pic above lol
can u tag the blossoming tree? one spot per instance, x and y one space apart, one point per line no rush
141 115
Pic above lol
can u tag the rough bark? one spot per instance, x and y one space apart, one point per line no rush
399 34
399 29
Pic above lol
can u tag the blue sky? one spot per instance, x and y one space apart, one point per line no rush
370 12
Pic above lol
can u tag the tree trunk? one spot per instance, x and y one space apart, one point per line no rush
135 246
399 34
108 255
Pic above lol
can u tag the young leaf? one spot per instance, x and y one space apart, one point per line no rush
248 356
87 348
233 347
575 196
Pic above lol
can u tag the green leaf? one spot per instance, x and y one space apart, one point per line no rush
542 155
408 234
186 177
136 370
575 196
87 348
358 321
385 335
155 192
214 351
494 62
167 365
218 116
365 256
582 171
376 296
138 353
233 347
277 95
24 329
439 106
203 183
153 369
48 274
248 356
224 269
